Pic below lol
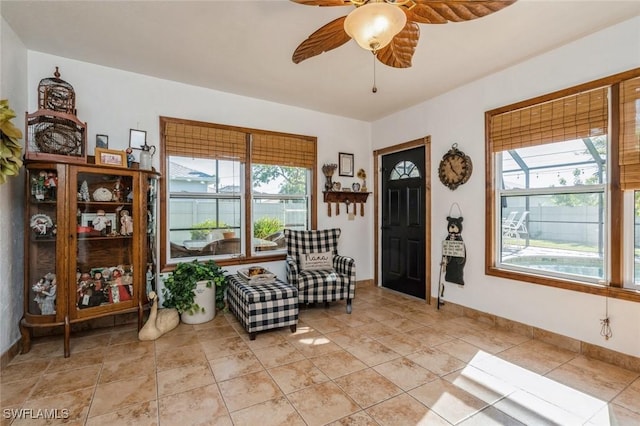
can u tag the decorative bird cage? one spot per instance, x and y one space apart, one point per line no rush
54 133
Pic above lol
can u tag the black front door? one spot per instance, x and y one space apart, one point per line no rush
403 222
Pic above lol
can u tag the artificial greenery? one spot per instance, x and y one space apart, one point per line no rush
179 287
266 226
10 148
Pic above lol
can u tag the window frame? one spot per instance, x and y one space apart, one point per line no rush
246 196
617 253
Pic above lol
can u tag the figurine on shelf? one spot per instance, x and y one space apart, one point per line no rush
130 157
117 191
83 194
100 221
51 184
126 223
328 170
48 306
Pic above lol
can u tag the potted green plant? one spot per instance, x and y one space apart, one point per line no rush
195 289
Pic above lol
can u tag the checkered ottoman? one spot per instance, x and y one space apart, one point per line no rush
263 306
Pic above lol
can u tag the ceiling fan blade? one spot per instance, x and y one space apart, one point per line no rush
324 2
441 12
399 52
326 38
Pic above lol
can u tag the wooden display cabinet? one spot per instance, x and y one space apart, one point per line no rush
90 248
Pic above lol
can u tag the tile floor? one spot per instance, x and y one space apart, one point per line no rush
394 361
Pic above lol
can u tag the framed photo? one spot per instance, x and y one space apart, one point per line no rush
137 138
109 157
102 141
345 164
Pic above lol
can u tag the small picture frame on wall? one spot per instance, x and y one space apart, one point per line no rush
345 164
110 157
102 141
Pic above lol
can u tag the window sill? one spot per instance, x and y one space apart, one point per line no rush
565 284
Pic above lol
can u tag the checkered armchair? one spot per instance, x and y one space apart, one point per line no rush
337 283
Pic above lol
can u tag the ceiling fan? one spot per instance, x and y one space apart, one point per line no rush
393 46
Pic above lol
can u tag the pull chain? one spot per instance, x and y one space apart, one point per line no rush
374 89
606 331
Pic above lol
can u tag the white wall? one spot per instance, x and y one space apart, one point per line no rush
13 86
458 116
112 101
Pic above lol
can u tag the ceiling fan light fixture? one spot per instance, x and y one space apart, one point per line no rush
374 25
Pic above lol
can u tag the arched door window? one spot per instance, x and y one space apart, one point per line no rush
404 170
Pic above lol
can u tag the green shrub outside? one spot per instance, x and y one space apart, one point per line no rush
202 229
266 226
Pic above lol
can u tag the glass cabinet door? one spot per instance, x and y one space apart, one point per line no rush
105 250
43 214
152 238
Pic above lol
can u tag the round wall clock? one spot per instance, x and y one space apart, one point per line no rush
455 168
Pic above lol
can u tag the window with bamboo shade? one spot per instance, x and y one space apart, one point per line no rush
557 167
210 189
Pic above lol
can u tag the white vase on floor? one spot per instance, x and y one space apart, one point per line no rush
206 298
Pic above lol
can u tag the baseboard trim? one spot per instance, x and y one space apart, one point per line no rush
590 350
9 354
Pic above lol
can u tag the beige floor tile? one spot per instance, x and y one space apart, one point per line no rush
264 339
312 403
222 331
596 378
339 363
372 352
222 347
367 387
348 337
170 341
403 344
143 414
375 330
630 397
115 370
448 401
16 392
404 410
235 365
131 350
490 417
275 412
297 375
383 315
480 384
23 370
116 395
405 373
184 378
93 357
360 418
531 410
326 325
124 336
460 349
44 349
491 340
283 353
71 407
436 361
180 357
86 343
199 406
312 344
354 319
430 336
614 414
63 381
537 356
250 389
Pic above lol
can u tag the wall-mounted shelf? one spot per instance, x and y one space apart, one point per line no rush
347 197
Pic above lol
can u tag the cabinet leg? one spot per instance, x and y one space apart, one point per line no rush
25 332
67 335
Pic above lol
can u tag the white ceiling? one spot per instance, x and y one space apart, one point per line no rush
245 47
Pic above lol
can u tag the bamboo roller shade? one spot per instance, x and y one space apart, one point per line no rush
209 141
630 134
573 117
283 150
200 141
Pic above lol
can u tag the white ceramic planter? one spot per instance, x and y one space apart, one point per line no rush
205 298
